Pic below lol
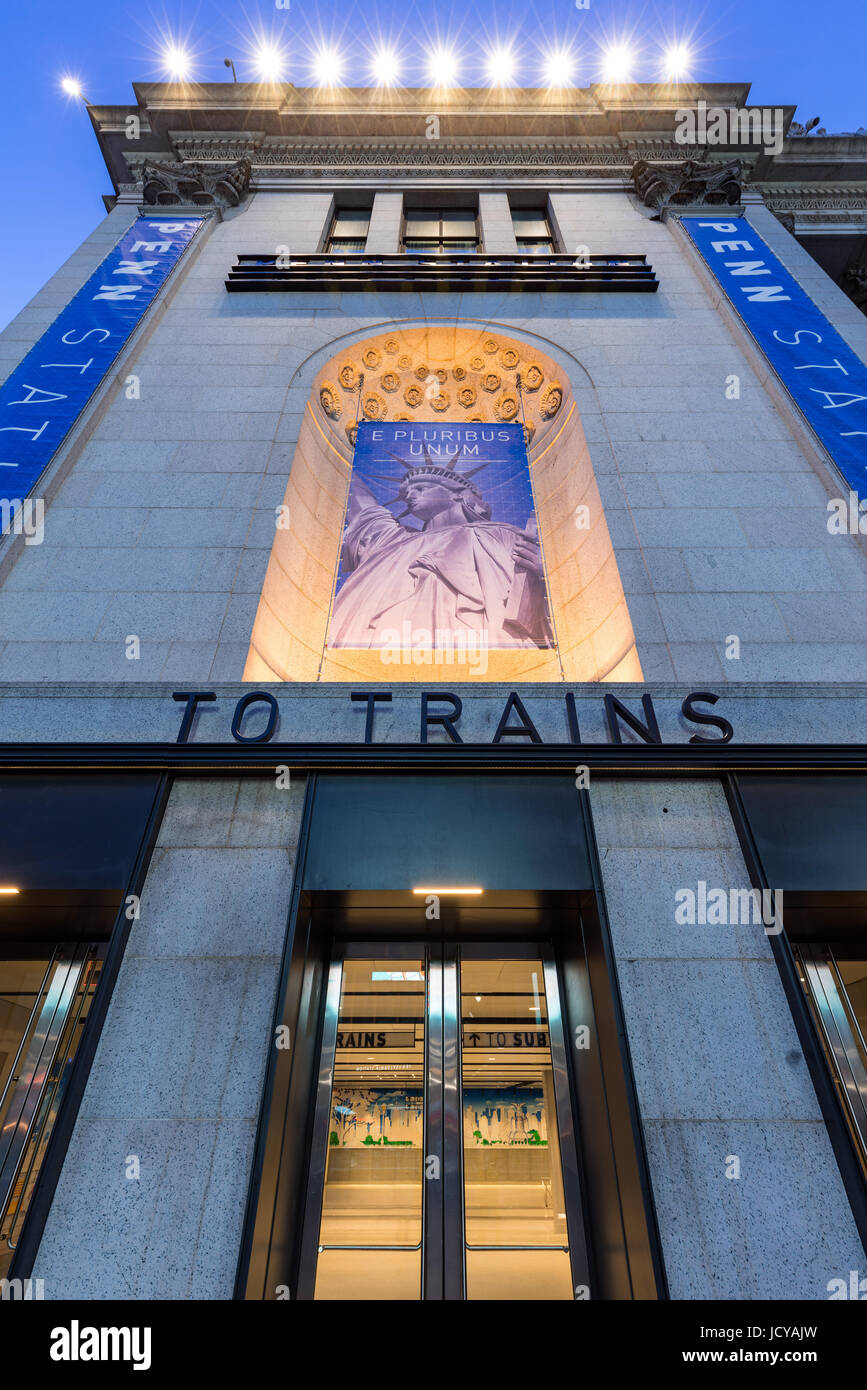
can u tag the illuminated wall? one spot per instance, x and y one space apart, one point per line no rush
447 373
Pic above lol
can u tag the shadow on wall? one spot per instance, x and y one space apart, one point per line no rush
443 374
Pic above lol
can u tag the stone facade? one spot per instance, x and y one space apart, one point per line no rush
709 524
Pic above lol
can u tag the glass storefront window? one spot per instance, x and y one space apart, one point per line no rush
370 1230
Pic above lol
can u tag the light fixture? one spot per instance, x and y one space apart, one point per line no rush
559 67
270 62
677 62
617 63
177 62
478 998
71 86
9 892
442 67
443 892
501 66
328 67
386 67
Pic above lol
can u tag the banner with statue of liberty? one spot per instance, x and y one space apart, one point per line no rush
440 542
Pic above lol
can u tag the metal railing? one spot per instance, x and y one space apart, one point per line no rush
269 273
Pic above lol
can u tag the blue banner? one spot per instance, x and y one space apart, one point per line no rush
45 394
440 543
822 374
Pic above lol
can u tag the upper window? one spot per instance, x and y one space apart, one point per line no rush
533 231
440 230
348 233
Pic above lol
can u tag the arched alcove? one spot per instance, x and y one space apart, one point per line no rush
443 373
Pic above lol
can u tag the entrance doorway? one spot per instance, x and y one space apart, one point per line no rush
443 1160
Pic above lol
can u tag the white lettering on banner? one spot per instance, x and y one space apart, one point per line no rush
788 336
105 329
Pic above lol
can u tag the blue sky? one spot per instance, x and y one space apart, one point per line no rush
793 51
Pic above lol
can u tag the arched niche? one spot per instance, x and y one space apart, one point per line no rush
443 373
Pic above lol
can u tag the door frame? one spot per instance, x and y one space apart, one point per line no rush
443 1243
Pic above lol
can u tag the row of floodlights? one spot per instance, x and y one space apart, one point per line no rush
616 63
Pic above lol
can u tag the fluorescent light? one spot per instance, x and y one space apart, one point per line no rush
270 62
10 892
442 892
442 67
617 63
386 67
177 62
501 67
327 67
677 62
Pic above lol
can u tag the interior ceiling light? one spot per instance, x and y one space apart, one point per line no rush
617 63
475 892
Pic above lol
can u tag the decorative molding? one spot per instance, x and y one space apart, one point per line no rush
269 156
692 183
170 185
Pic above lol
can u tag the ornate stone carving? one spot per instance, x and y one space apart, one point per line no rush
389 381
532 377
506 407
422 372
477 363
854 283
352 433
509 358
551 401
373 406
491 381
349 376
170 185
691 183
413 395
489 346
440 402
529 431
467 397
371 358
391 346
459 373
404 361
329 399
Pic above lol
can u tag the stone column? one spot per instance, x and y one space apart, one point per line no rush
749 1197
150 1202
495 219
383 234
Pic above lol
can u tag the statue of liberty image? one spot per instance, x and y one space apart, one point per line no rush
459 574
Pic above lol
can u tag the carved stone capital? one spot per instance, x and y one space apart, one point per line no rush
690 184
854 283
207 186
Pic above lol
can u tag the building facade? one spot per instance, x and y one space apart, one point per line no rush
433 705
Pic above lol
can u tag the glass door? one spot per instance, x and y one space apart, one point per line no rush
443 1161
44 1004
